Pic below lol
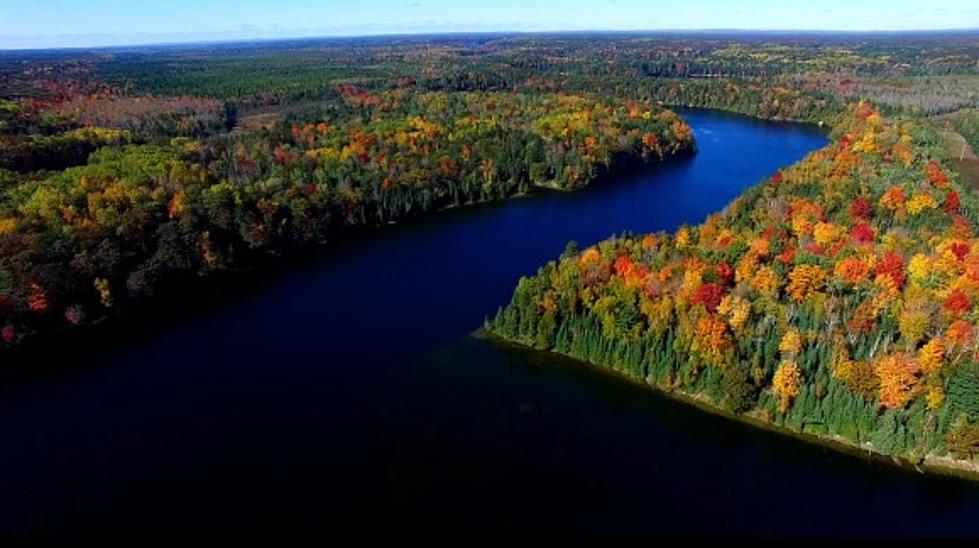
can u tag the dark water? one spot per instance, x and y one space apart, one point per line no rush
345 396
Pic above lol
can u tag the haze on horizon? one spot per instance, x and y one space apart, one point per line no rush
95 23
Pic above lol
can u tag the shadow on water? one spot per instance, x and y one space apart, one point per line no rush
341 393
690 471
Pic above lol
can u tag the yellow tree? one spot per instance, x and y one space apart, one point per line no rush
898 375
804 280
791 344
931 356
765 280
786 383
736 309
711 340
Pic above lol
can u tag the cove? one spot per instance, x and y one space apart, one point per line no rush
345 395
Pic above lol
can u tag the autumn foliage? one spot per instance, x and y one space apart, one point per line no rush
844 288
79 243
786 383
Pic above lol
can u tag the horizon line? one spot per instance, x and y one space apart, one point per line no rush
437 33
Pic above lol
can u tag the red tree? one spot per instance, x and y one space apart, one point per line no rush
892 266
709 295
861 209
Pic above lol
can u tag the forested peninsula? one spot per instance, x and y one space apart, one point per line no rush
835 298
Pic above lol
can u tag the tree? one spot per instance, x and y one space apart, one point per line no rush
791 344
963 391
931 356
963 439
805 280
898 375
786 384
851 270
740 392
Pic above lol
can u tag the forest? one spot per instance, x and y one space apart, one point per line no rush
836 298
144 193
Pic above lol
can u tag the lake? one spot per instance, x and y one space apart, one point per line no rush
344 394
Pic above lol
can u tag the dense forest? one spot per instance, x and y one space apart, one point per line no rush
136 215
835 298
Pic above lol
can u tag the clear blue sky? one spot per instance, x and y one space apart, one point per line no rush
49 23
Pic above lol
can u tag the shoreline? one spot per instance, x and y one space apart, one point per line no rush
272 260
930 464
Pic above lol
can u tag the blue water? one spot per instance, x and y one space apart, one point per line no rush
344 395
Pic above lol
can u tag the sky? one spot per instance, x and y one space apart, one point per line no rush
84 23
